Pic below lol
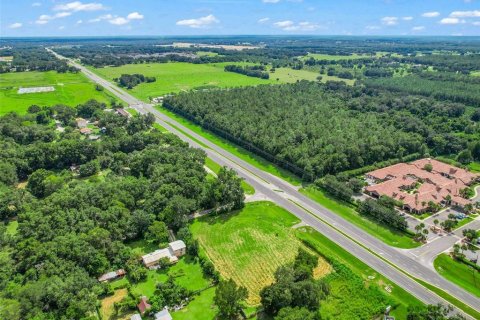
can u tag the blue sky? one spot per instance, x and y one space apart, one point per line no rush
232 17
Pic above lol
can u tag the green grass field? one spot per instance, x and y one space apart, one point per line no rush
387 235
474 166
178 76
400 298
250 244
200 308
70 89
288 75
187 274
458 273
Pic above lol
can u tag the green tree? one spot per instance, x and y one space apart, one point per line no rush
157 232
296 313
229 298
8 173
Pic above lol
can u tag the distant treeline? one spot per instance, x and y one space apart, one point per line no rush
34 59
251 71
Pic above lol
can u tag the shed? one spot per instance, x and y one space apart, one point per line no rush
163 315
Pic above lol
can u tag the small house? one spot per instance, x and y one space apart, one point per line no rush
136 316
122 112
178 248
112 275
163 315
85 131
81 123
175 250
143 306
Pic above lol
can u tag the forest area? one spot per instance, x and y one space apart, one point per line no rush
316 129
80 202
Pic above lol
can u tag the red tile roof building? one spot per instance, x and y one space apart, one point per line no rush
438 185
143 306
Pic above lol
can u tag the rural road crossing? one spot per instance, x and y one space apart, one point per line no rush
365 247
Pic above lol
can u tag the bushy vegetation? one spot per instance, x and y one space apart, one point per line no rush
317 129
131 80
383 214
73 229
34 58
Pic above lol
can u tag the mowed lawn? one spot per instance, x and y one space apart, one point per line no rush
250 244
70 89
201 307
175 77
459 273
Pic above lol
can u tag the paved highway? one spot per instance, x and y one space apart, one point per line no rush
367 248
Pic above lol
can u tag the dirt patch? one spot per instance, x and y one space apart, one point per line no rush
323 268
22 185
107 309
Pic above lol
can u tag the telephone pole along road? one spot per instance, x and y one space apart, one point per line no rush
365 247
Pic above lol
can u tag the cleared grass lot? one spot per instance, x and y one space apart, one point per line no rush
250 244
70 89
179 76
347 295
458 273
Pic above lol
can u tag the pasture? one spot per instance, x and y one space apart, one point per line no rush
330 57
250 244
179 76
70 89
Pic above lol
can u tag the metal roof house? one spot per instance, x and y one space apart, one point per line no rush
163 315
174 251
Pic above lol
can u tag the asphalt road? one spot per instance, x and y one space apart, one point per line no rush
365 247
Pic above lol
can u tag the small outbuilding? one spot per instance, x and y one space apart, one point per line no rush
81 123
112 275
136 316
143 306
85 131
122 112
163 315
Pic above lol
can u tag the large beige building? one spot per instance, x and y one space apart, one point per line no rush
174 251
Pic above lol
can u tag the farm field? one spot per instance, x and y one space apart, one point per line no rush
288 75
387 235
179 76
458 273
347 292
250 244
70 89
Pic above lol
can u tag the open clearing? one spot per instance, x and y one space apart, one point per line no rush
107 309
330 57
458 273
200 308
70 89
349 294
250 244
179 76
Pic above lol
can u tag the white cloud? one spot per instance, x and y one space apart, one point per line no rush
36 4
79 21
102 17
61 27
418 28
203 22
15 25
372 28
304 26
476 23
465 14
135 16
270 1
263 20
62 14
283 24
119 21
431 14
451 21
389 21
40 21
407 18
79 6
